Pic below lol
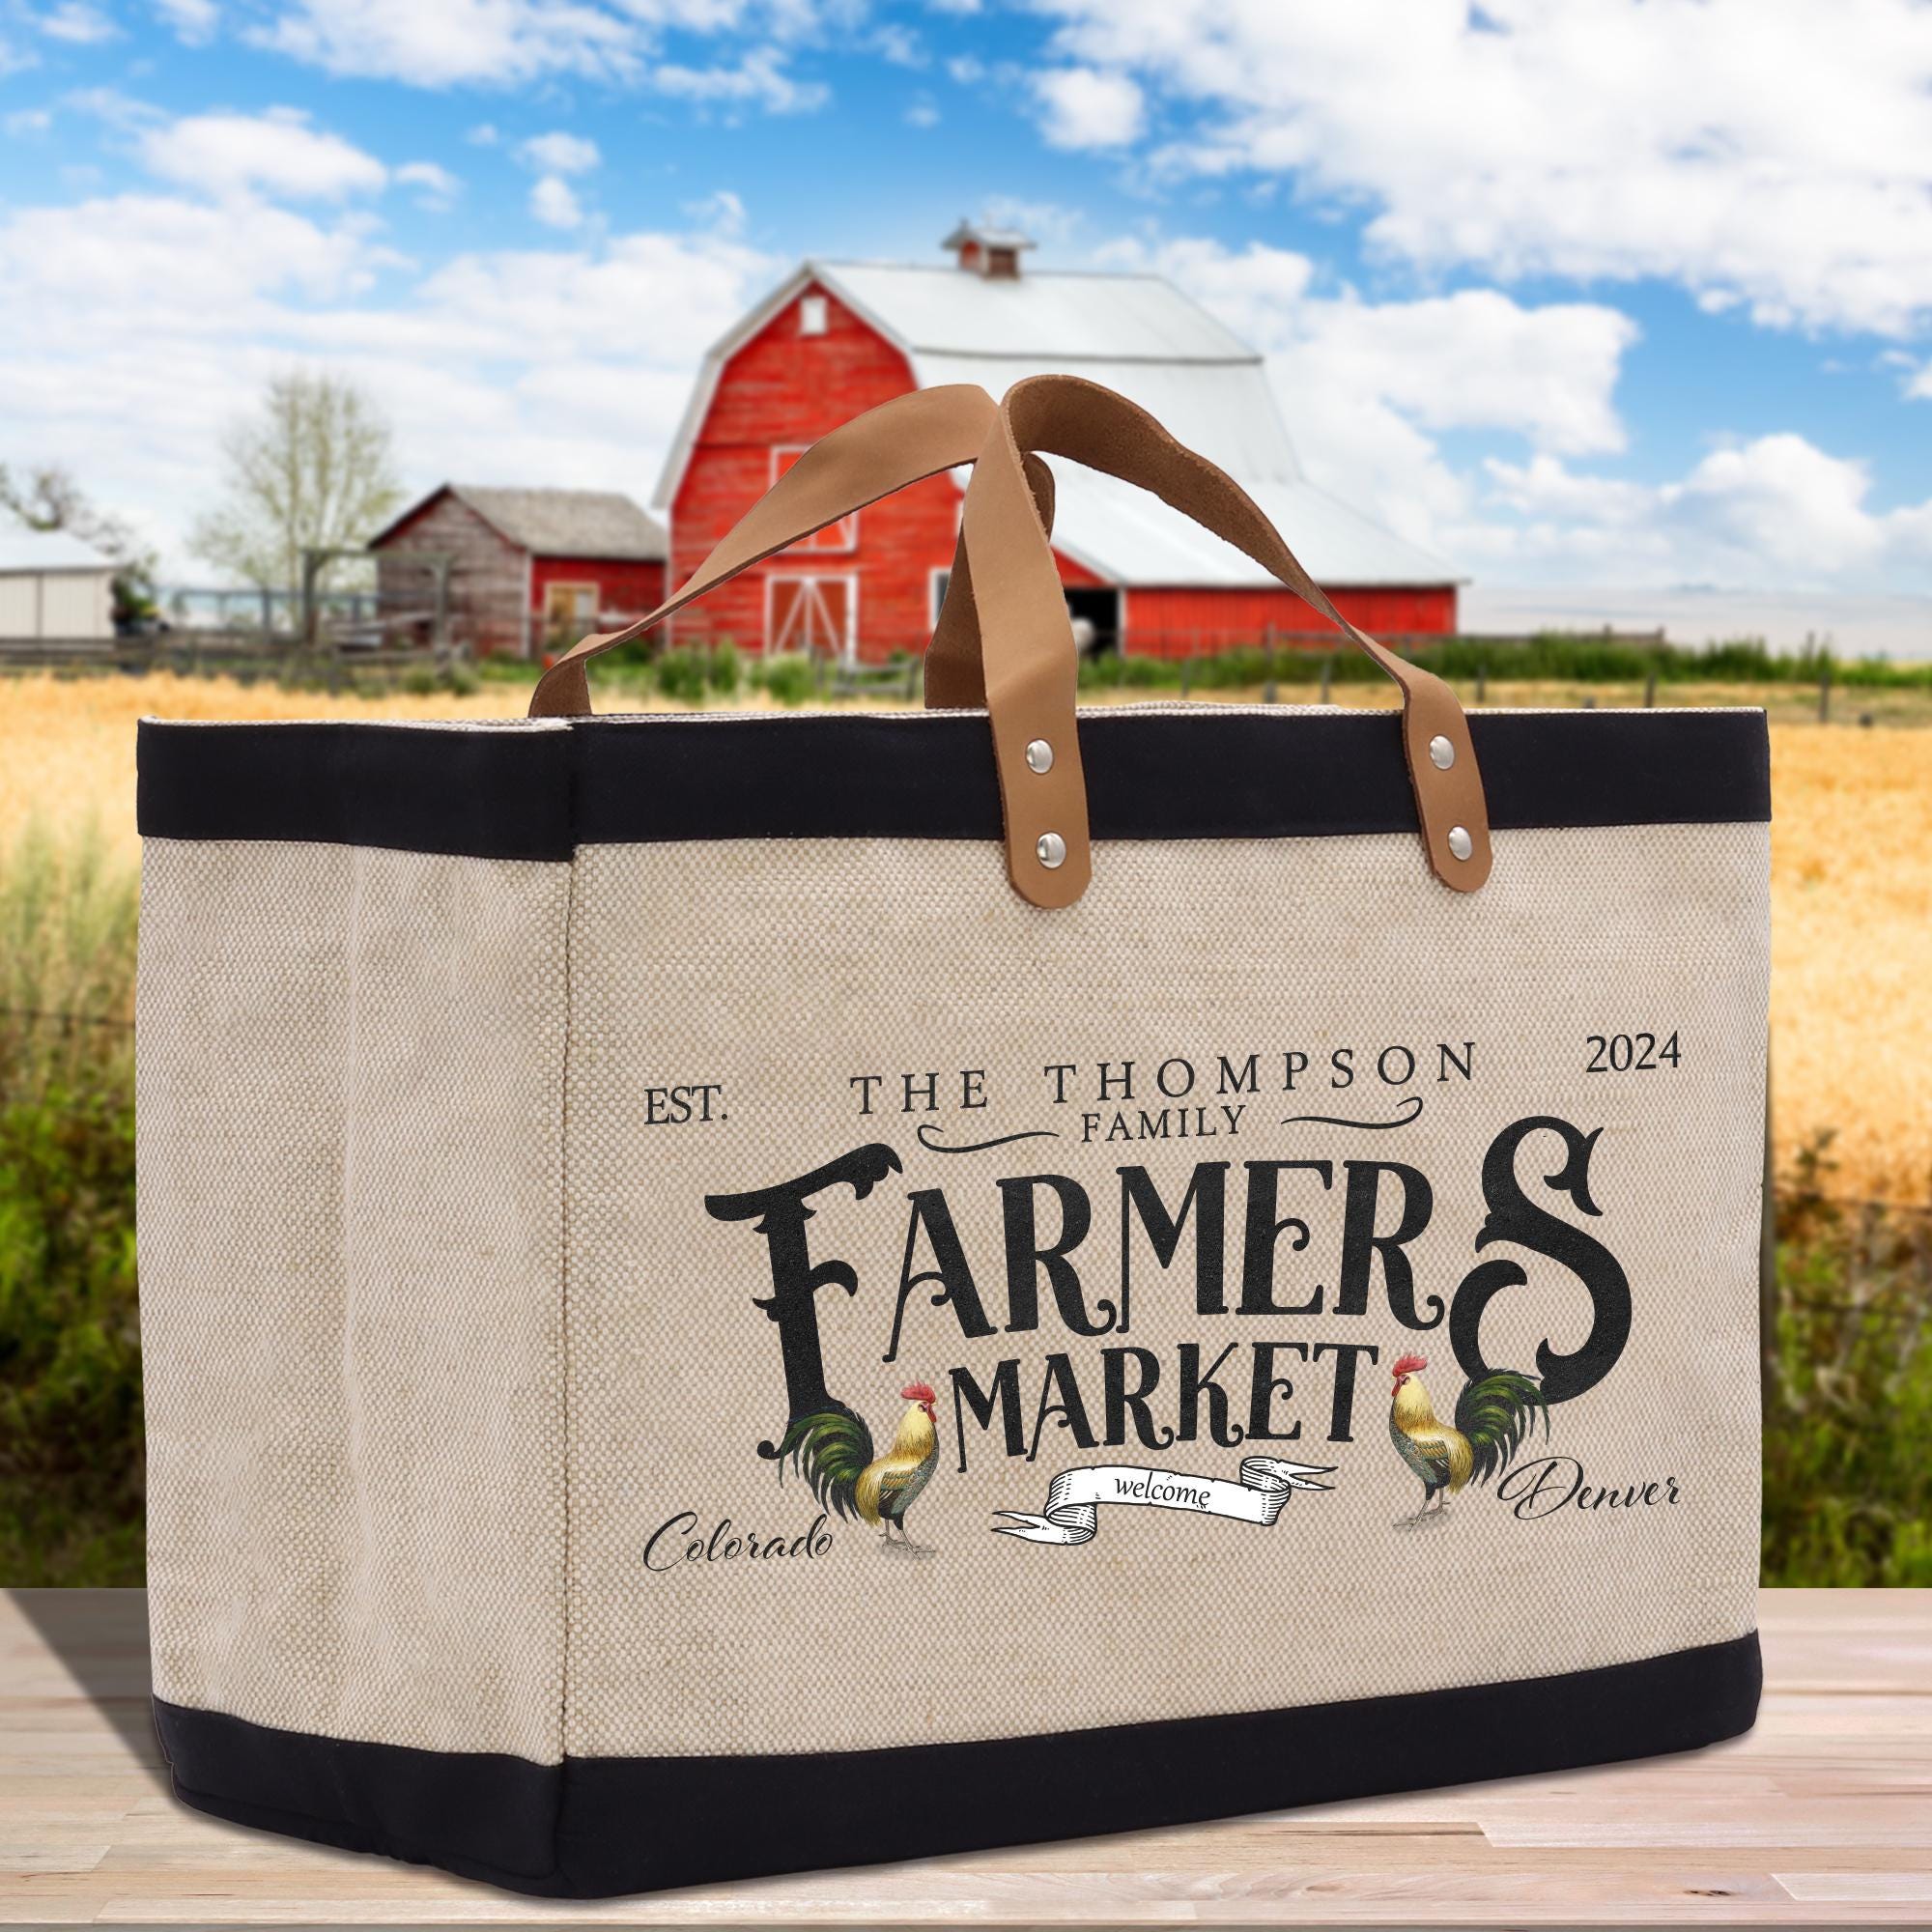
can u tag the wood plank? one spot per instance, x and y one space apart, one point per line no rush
1843 1887
1821 1816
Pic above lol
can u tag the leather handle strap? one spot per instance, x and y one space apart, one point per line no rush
1025 669
954 677
900 442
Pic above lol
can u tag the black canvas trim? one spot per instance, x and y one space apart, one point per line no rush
479 792
460 1809
591 1827
515 792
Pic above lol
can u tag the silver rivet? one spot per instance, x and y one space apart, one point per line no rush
1039 756
1460 845
1442 754
1050 849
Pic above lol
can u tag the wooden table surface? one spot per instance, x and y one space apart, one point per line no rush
1821 1816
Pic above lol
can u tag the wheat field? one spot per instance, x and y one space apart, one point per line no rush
1851 885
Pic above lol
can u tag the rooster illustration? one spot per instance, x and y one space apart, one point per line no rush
833 1451
1492 1416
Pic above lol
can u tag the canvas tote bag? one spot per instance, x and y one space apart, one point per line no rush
731 1293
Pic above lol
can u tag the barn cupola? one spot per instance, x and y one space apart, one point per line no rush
993 252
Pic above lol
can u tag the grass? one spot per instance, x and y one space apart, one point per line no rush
1851 918
1847 1480
70 1460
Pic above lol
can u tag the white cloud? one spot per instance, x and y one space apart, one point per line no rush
1084 107
1366 388
759 80
1770 154
921 113
27 121
119 112
438 188
194 21
76 23
453 43
559 365
1369 389
65 272
1775 513
276 153
539 305
509 43
555 203
720 213
1781 497
900 45
483 136
1048 221
1544 487
559 154
1476 359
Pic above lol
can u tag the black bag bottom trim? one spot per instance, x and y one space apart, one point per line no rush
591 1827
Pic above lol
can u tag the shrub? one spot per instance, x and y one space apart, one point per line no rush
681 674
1249 665
502 669
70 1456
1554 657
790 679
725 670
1114 672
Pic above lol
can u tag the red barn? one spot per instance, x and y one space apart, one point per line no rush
529 570
838 337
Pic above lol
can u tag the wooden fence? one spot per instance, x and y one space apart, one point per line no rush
247 655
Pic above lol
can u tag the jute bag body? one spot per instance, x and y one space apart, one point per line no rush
723 1294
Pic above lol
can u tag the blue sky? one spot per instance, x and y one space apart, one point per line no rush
1574 292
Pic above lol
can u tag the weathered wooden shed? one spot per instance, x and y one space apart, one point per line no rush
54 588
840 337
529 570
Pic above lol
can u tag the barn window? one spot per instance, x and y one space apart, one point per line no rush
940 579
812 315
844 535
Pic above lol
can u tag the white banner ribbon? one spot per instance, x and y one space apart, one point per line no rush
1074 1496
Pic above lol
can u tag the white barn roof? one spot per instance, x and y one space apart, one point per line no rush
1135 333
40 552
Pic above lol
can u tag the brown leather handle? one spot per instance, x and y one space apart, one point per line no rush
1012 649
1021 662
900 442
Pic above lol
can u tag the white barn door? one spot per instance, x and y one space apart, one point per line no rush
812 614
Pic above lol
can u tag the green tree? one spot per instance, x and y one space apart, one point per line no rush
311 468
